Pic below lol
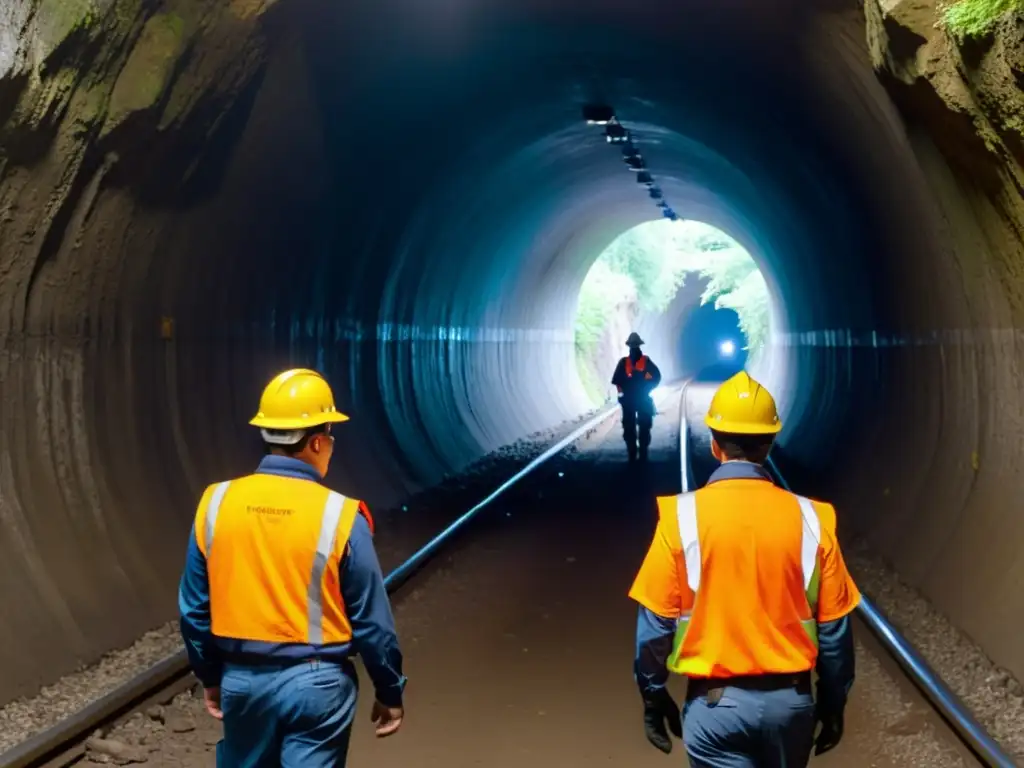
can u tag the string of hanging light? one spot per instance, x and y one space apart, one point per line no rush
618 135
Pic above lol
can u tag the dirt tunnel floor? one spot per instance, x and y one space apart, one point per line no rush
519 642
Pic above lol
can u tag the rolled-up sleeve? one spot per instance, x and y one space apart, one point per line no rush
194 613
369 611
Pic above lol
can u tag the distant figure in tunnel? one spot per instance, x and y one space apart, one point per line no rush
635 377
281 588
744 590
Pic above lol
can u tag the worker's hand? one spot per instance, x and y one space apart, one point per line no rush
831 732
386 720
211 699
661 716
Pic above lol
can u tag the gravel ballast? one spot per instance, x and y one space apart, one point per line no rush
994 697
887 725
25 717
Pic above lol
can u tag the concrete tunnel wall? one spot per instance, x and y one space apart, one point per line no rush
407 199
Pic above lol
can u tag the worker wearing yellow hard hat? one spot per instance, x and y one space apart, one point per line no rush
744 590
281 588
741 406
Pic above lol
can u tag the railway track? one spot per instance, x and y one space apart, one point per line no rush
65 743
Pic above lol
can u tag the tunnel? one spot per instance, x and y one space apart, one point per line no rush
406 197
713 345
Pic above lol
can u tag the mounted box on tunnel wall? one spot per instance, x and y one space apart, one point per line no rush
598 114
166 328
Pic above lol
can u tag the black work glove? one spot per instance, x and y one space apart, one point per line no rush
831 732
661 715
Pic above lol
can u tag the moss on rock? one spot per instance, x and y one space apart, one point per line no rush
148 69
974 18
56 21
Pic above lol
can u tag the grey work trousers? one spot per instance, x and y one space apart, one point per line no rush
750 729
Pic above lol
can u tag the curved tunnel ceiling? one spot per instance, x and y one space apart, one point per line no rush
471 122
404 195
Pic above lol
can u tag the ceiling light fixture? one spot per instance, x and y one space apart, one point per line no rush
598 114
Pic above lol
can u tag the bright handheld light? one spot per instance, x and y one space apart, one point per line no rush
727 348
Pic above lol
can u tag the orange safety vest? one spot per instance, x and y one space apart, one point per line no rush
269 542
750 597
641 365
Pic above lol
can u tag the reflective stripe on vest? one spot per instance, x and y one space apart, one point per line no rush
330 519
810 562
216 499
325 545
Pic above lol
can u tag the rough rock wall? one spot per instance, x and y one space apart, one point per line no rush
169 239
945 493
118 198
111 128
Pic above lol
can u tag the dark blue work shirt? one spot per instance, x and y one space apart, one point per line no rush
362 587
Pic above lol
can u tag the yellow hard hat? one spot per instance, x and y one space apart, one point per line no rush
297 399
741 406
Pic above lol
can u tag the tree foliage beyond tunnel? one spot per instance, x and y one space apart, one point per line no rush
643 269
734 281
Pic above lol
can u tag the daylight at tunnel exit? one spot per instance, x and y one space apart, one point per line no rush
587 380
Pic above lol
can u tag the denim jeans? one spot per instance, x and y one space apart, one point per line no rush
287 716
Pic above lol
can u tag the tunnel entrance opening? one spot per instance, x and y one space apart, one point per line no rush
692 292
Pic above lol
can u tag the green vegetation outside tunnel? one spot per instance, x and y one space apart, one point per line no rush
640 273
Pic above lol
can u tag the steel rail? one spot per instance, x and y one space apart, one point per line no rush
945 702
685 470
927 680
64 742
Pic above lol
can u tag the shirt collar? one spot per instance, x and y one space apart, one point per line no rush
286 466
739 470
